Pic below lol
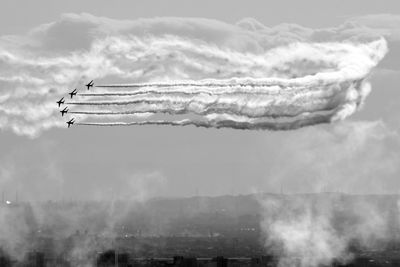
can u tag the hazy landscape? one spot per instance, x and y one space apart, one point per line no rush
344 227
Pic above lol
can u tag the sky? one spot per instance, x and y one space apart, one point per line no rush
358 155
19 16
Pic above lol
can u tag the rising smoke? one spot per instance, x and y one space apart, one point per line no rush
315 230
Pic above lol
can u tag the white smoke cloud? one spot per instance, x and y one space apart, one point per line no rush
41 67
81 223
317 229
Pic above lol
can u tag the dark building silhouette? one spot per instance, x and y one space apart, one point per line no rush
221 261
123 260
180 261
35 259
106 259
263 261
111 258
5 261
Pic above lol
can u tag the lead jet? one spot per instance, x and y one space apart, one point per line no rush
73 93
65 110
61 101
70 122
90 84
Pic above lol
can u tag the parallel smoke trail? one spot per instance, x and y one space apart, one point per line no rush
243 125
142 92
214 83
188 95
289 105
153 111
330 93
238 82
211 90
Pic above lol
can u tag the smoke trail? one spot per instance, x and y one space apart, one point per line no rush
281 103
226 121
252 108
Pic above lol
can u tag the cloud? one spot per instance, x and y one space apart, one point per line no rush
386 25
133 186
349 157
42 66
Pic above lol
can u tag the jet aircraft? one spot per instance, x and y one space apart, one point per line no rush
70 122
61 101
65 110
73 93
90 84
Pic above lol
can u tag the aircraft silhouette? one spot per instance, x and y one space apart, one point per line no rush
65 110
90 84
70 122
73 93
61 101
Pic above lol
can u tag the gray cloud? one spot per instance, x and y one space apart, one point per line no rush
349 157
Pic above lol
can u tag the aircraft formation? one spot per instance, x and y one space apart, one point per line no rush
72 94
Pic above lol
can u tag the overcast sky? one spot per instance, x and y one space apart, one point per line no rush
18 16
358 155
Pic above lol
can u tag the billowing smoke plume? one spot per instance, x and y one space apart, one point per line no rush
318 230
186 72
